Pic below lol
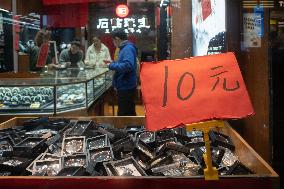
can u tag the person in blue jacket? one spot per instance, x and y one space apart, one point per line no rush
125 78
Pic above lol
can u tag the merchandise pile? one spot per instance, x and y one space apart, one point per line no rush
63 147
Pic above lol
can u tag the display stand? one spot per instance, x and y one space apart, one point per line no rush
210 172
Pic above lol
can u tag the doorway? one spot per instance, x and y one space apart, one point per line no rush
276 48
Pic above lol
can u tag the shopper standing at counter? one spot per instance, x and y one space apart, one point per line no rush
125 78
70 57
96 53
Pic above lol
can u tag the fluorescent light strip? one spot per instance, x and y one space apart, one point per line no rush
4 10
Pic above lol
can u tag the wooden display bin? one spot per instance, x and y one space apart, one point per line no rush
265 177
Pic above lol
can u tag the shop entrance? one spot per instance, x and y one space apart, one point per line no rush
277 86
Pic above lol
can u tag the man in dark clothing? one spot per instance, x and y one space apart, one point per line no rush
70 57
125 78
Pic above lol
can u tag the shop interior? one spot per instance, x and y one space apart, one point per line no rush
161 30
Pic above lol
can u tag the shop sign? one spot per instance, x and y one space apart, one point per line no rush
192 90
122 11
252 29
131 25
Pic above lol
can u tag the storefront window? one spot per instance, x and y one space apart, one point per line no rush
80 20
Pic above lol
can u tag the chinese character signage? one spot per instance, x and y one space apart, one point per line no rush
208 27
252 30
192 90
131 25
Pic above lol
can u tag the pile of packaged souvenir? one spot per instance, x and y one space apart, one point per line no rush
63 147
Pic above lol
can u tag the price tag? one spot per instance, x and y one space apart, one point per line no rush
35 105
68 102
193 90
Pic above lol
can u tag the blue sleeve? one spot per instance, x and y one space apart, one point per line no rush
127 62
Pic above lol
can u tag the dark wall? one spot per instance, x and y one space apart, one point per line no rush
27 6
6 4
8 41
181 44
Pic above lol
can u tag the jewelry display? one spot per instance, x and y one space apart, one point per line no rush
12 162
78 129
146 136
5 147
197 139
48 167
75 162
25 96
145 151
73 146
101 156
194 134
128 167
30 144
228 159
49 170
47 146
15 90
41 132
5 173
97 144
127 170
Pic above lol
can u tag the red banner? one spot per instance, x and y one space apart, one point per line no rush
43 53
192 90
64 2
69 15
60 2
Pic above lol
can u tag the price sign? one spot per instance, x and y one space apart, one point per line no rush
192 90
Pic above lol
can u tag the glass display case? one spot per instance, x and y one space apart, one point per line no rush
54 92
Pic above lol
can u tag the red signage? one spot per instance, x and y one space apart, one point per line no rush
192 90
56 2
206 8
122 11
43 53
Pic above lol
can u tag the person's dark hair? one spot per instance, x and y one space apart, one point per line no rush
119 33
41 37
76 42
